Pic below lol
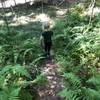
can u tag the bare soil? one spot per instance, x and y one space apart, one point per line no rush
49 92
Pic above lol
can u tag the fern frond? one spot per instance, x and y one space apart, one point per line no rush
91 94
68 95
15 69
73 80
95 80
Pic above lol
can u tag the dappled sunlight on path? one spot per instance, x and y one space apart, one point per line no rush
49 92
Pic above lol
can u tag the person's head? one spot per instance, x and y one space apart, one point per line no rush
46 26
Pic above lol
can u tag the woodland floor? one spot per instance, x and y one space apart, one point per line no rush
54 85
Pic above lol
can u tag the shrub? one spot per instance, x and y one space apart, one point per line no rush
78 56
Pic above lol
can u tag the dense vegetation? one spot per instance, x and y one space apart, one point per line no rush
19 65
77 55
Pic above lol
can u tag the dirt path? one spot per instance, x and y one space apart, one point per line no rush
49 92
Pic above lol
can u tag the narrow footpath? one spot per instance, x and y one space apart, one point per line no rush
49 92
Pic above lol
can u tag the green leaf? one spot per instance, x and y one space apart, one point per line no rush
68 94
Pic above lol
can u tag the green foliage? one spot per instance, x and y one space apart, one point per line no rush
9 76
19 66
15 70
40 80
79 8
68 95
78 55
73 84
75 90
18 48
14 80
10 93
91 94
88 2
73 79
95 81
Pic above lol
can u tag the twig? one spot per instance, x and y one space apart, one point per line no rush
90 20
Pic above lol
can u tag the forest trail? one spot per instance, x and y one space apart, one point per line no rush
54 85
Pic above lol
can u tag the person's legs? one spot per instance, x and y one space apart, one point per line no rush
48 48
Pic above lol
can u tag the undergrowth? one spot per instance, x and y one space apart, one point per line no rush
20 59
77 52
78 55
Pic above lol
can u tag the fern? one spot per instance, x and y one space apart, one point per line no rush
25 95
73 80
91 94
16 69
13 93
2 82
95 80
9 93
13 82
40 80
37 60
18 47
3 96
72 87
78 55
68 95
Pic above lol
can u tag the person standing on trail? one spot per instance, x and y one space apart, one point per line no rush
46 39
